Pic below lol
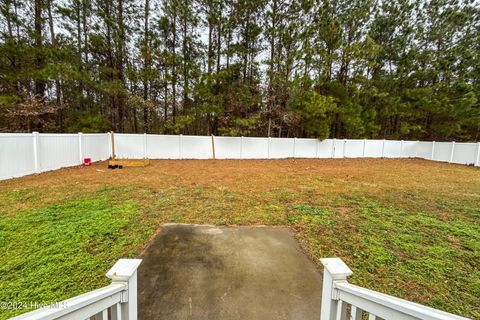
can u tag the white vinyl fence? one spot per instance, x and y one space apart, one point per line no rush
22 154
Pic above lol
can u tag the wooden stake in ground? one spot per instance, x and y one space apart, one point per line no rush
213 147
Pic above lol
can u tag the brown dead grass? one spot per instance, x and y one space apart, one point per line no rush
405 181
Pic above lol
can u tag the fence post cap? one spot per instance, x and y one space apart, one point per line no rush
336 267
123 269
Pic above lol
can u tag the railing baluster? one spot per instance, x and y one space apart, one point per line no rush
371 316
356 313
116 312
341 310
119 311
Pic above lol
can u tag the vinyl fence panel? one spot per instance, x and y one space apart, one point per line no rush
96 146
228 147
325 148
409 149
254 148
58 150
163 146
354 148
280 148
129 146
424 150
306 148
442 151
16 155
374 148
196 147
464 153
392 148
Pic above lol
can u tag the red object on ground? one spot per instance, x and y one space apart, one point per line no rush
87 161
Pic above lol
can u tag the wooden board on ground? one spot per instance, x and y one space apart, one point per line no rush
129 162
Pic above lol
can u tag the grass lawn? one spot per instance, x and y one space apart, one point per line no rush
409 228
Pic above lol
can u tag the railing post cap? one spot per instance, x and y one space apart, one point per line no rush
123 269
336 267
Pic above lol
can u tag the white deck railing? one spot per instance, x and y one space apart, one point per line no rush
342 300
117 301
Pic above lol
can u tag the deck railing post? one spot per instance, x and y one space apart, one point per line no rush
334 270
125 271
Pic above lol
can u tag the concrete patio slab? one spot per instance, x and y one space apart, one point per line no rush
208 272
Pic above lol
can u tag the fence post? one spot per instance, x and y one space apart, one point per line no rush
80 147
294 143
316 147
333 147
213 147
241 147
416 148
383 148
334 270
268 147
452 152
36 151
364 147
180 154
433 150
112 145
344 147
145 145
125 271
401 148
477 161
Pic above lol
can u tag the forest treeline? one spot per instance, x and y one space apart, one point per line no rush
403 69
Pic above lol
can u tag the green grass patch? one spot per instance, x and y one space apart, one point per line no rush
56 251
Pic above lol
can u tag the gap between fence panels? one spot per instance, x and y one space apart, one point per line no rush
24 154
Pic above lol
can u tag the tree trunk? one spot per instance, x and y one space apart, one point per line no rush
120 66
58 89
39 57
146 66
174 70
